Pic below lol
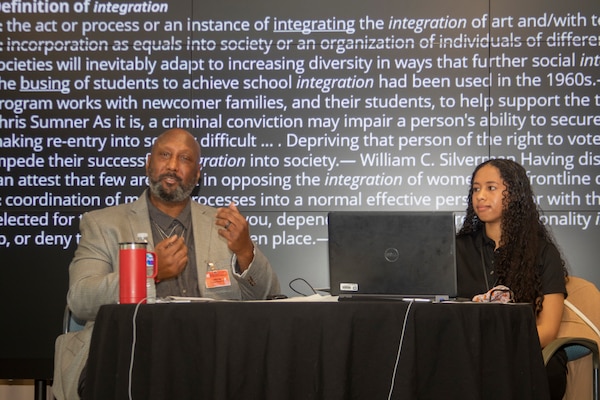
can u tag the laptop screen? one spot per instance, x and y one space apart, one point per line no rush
404 254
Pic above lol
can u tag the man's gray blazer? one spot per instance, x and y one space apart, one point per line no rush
94 275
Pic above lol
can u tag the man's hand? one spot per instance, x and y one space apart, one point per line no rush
236 231
172 257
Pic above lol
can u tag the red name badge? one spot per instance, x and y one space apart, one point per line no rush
217 278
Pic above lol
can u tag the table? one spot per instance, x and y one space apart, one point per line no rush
329 350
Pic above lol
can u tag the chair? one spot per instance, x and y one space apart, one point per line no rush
579 336
70 322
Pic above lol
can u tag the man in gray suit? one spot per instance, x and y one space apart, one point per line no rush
189 240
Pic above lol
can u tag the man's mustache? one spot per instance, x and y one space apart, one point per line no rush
169 175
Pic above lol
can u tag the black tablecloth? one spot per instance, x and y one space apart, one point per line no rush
328 350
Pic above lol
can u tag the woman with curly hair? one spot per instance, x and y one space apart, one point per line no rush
503 242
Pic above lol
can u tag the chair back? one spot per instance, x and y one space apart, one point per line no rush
585 297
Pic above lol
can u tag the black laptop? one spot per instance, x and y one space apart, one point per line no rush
392 255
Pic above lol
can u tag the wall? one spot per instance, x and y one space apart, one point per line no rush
301 108
20 390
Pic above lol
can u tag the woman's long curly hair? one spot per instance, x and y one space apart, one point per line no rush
522 233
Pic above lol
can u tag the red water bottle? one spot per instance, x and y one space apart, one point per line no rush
133 272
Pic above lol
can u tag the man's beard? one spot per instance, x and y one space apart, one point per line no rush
178 194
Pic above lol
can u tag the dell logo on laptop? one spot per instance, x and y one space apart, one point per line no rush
391 254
